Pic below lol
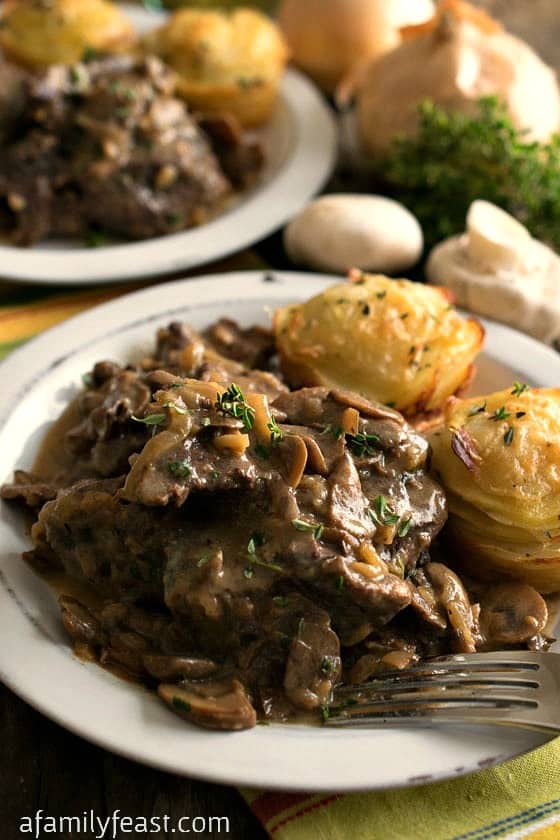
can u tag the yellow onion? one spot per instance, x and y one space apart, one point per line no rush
330 39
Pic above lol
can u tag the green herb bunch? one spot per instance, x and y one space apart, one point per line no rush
456 158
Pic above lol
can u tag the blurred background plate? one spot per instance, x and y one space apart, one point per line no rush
301 145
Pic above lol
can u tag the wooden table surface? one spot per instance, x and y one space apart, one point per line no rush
44 766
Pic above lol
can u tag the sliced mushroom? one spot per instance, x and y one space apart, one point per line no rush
178 667
294 455
451 593
365 407
511 613
313 665
79 622
215 705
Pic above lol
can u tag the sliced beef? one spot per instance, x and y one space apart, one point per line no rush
106 146
29 489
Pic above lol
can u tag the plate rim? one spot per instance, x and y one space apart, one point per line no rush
40 354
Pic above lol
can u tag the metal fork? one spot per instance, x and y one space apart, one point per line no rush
510 688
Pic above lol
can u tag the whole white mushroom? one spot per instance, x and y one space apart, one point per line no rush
339 232
498 270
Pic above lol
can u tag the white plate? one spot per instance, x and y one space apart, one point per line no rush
301 144
35 659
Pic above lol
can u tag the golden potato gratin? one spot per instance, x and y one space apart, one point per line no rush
226 61
39 34
498 458
394 341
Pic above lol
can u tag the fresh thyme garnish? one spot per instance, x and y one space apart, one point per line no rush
478 409
336 431
180 409
232 402
301 525
405 527
327 665
508 437
180 704
519 388
151 419
280 600
383 514
180 469
500 414
363 444
255 541
276 434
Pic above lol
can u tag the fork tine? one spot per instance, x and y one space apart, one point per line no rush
451 697
407 680
511 688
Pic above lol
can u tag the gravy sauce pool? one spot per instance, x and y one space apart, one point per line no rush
52 457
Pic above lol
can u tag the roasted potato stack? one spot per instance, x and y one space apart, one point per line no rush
226 61
498 458
36 34
394 341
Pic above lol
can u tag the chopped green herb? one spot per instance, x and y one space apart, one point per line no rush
180 469
478 409
87 380
273 567
181 704
327 665
383 514
232 402
300 627
256 541
151 419
214 474
363 444
202 561
248 573
500 414
301 525
276 434
96 239
519 388
280 600
205 421
262 451
325 713
180 409
336 431
508 437
405 527
339 582
89 54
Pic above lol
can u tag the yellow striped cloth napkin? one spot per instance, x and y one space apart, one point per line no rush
518 799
